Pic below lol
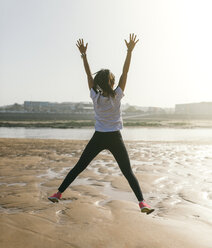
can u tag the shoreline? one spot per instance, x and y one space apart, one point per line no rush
127 142
150 123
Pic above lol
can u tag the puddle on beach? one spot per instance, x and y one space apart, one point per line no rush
178 168
13 184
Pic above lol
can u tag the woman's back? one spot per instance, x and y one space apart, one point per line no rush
107 111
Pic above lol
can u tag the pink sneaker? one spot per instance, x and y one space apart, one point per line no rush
56 197
145 208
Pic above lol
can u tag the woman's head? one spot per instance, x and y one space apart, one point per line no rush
104 81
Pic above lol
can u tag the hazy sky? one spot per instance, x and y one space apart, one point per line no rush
171 63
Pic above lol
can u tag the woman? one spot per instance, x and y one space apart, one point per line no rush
107 102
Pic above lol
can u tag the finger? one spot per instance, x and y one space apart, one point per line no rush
78 42
82 42
77 45
135 37
126 42
136 41
86 45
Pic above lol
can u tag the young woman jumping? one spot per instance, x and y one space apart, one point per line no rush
107 102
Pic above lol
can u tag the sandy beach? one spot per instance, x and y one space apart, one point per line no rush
99 209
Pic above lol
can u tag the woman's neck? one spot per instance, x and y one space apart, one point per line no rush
105 94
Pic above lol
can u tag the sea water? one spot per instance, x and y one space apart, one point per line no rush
146 134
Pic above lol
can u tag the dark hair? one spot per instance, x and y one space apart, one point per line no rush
102 82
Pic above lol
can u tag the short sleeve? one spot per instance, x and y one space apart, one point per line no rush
119 93
93 94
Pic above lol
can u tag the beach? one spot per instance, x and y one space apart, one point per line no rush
99 209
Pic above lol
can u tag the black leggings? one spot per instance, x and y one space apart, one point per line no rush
114 143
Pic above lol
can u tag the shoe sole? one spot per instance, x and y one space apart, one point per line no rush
147 210
53 199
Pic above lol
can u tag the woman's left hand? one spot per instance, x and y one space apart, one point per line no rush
131 44
80 45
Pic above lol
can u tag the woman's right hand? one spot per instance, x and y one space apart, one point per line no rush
80 45
131 44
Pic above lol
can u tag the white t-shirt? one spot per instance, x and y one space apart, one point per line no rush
107 111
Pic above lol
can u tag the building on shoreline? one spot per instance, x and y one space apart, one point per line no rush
31 106
54 107
77 108
202 108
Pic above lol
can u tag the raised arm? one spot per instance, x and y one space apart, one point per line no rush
130 46
83 49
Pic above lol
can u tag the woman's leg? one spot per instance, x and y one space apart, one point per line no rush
91 150
118 149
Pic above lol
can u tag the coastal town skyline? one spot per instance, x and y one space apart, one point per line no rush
201 108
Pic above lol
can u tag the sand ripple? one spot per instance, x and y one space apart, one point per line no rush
99 209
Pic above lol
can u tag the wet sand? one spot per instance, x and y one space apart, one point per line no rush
99 209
